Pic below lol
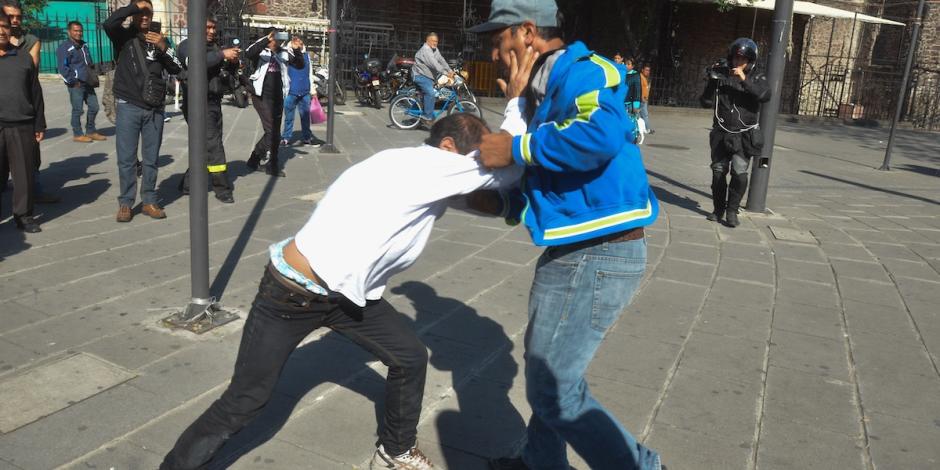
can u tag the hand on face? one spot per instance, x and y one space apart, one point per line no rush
296 43
519 73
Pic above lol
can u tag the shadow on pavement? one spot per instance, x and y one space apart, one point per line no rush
873 188
58 174
54 132
485 422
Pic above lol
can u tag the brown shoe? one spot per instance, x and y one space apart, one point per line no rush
124 214
82 138
153 210
96 136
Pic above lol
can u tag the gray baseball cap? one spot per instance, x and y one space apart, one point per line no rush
505 13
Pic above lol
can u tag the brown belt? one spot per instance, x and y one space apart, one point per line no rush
624 236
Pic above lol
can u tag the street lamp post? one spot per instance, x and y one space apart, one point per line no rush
330 145
886 165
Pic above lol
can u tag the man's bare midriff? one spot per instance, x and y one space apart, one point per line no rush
300 264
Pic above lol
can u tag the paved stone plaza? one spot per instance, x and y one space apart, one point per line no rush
805 338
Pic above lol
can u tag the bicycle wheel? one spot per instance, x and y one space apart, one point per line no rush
464 106
405 112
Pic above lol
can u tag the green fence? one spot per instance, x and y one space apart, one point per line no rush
54 20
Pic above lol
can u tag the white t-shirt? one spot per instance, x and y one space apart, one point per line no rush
375 219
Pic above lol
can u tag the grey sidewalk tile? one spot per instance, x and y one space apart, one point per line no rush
135 348
740 359
344 429
276 454
736 321
191 371
786 445
805 271
697 222
809 320
684 271
688 252
878 319
870 292
871 236
682 448
811 354
702 237
808 399
744 270
741 235
17 314
807 293
13 356
898 443
470 277
882 251
642 362
910 269
848 252
743 251
474 235
656 237
705 403
729 291
437 256
23 287
121 454
919 289
860 270
481 418
79 429
450 458
927 318
908 236
631 405
511 252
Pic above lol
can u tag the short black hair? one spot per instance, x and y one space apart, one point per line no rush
3 16
73 23
466 129
11 3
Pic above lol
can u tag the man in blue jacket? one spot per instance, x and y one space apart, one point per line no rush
586 198
75 63
298 98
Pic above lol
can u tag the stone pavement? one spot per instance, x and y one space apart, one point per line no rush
805 338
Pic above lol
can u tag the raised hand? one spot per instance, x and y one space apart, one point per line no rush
519 73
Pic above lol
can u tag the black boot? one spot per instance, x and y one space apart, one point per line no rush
26 223
719 195
732 219
736 192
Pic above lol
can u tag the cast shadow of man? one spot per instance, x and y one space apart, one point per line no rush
59 174
477 352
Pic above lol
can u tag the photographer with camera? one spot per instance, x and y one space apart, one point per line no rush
735 90
270 83
216 57
143 56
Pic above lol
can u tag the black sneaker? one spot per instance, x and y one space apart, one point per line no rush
731 219
27 224
715 216
225 198
317 143
264 158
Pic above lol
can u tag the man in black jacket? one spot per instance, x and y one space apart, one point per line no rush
269 84
143 57
735 91
215 158
22 124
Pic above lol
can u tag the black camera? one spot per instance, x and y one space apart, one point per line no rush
718 70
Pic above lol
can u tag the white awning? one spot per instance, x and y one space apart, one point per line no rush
287 23
809 8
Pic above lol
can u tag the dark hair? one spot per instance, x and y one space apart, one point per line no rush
12 3
212 19
3 16
73 23
466 129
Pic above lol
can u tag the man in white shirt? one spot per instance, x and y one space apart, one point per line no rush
333 273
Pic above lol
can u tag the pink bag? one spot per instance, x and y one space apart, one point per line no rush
316 111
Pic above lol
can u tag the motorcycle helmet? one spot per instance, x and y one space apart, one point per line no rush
745 47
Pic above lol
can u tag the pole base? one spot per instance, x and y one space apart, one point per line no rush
200 316
884 167
329 148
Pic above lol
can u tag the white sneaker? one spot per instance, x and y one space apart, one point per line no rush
411 460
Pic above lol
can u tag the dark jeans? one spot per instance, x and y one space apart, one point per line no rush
146 126
79 97
215 151
17 155
282 315
270 108
727 156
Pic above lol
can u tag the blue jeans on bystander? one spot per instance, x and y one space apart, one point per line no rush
302 104
426 85
79 97
146 126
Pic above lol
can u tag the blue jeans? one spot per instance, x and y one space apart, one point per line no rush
645 114
426 85
79 97
578 293
146 125
291 102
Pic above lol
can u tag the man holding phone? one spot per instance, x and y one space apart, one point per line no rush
270 83
142 56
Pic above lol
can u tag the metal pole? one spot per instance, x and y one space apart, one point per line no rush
196 100
760 174
886 165
330 145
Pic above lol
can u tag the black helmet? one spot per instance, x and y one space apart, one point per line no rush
746 47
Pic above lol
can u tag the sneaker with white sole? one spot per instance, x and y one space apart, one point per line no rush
414 459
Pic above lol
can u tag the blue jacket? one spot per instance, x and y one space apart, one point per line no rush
300 78
583 178
73 61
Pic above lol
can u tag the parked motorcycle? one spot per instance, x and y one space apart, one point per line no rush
463 90
321 77
368 82
399 77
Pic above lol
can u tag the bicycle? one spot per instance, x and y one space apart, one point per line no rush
405 110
